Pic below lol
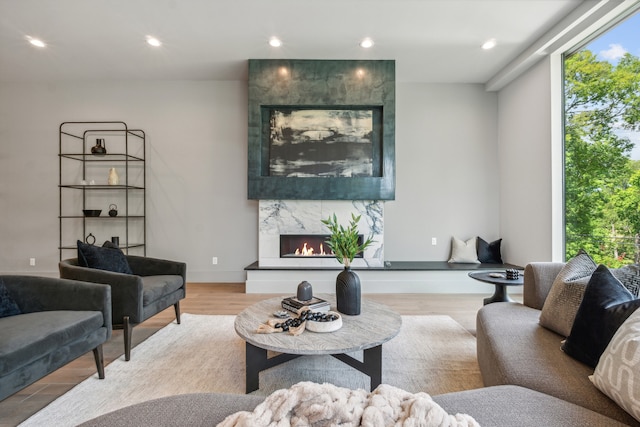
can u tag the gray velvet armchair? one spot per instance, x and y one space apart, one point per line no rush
155 285
56 321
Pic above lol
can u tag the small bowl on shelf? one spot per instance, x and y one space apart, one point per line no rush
92 212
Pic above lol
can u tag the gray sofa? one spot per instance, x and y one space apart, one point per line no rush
530 381
60 320
502 406
514 349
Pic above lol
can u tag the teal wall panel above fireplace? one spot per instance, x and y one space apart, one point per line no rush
321 129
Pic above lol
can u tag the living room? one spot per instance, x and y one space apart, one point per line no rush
475 155
197 149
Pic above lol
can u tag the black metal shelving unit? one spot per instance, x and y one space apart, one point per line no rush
78 168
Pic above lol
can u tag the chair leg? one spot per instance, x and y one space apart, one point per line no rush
176 306
128 330
98 356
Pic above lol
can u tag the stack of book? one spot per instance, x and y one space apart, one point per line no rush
315 304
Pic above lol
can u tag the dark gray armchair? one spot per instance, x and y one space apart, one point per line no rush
155 285
56 321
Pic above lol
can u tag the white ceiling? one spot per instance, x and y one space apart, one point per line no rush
430 40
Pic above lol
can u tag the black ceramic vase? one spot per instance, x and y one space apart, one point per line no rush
348 292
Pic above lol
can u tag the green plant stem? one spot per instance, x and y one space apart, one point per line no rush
344 241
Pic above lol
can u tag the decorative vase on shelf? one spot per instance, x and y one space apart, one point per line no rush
100 148
114 179
348 292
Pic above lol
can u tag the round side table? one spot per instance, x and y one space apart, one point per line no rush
501 283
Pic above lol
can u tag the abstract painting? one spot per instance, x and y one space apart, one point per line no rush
313 142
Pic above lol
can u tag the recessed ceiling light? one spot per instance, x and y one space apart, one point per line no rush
489 44
275 42
154 41
36 42
366 43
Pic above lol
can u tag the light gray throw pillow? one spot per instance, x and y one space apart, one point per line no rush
618 372
560 307
464 252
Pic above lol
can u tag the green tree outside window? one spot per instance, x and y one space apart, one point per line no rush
602 182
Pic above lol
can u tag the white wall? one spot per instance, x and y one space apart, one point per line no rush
524 128
448 180
196 170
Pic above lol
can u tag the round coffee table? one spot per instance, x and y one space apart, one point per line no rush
375 325
501 283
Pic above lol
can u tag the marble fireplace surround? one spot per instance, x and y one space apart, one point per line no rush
278 217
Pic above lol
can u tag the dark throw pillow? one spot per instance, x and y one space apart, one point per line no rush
8 307
102 258
489 252
605 306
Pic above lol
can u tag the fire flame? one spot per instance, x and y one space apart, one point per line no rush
308 251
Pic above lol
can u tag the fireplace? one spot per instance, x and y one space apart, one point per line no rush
308 245
286 225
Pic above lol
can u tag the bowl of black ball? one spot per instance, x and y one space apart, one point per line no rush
323 322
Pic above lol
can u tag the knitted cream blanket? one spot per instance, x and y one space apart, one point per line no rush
320 405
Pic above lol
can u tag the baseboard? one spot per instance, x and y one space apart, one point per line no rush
375 281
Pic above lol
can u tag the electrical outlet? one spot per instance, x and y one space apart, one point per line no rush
32 262
434 241
214 260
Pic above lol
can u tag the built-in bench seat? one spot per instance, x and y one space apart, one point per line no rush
444 266
394 276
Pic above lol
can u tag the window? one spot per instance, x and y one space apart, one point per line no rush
602 146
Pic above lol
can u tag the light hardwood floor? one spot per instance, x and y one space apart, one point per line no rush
210 298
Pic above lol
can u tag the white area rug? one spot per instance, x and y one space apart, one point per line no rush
433 354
